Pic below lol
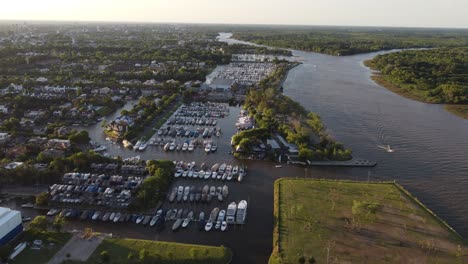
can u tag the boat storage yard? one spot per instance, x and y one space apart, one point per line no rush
201 195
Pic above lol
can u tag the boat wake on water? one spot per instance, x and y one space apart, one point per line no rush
387 148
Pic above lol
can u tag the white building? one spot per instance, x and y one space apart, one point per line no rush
10 225
4 137
3 109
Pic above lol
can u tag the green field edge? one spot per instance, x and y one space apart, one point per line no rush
275 256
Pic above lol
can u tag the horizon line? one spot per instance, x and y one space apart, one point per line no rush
218 23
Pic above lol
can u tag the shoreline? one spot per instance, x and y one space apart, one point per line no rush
460 110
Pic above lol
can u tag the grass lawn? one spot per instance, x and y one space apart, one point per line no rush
166 252
52 242
356 222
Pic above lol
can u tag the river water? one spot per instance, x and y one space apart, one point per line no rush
430 145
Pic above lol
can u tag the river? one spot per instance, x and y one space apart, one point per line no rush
430 145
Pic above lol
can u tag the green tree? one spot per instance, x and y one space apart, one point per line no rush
39 224
42 199
59 222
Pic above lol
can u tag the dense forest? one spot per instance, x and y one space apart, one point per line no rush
433 76
342 41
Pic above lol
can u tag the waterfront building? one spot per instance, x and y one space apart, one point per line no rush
10 225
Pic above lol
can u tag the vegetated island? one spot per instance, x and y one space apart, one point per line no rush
275 113
323 221
342 41
431 76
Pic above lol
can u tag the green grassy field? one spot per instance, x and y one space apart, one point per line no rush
53 242
355 222
160 252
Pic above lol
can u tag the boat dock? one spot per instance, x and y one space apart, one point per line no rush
355 162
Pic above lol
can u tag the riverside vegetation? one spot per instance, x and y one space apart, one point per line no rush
432 76
277 113
342 41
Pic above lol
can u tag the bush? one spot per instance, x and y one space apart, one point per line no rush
302 260
42 198
104 256
311 260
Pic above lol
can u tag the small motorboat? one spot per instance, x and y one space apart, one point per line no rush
187 220
209 225
177 224
223 226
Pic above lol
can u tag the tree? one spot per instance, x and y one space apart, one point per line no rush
39 224
59 222
302 259
311 260
42 199
104 256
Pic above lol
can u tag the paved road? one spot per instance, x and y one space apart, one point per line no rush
78 248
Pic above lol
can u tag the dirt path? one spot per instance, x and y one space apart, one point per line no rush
78 248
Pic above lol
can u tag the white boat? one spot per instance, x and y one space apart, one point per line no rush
278 166
223 226
386 148
100 148
190 147
208 148
96 215
187 220
191 165
240 177
229 176
172 146
235 170
112 216
231 213
209 225
213 147
225 191
177 224
166 147
207 175
222 168
137 145
117 217
27 205
241 212
217 225
190 174
215 167
214 174
143 146
184 147
178 173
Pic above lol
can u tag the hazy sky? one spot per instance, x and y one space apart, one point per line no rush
418 13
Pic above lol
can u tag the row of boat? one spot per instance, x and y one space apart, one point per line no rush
217 172
218 219
200 121
199 194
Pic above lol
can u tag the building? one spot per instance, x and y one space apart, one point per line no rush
10 225
3 109
4 137
222 84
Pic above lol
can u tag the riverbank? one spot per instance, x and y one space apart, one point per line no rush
358 222
456 109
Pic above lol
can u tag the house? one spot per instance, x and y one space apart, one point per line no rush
3 109
35 114
62 131
60 144
42 79
4 137
57 113
105 90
